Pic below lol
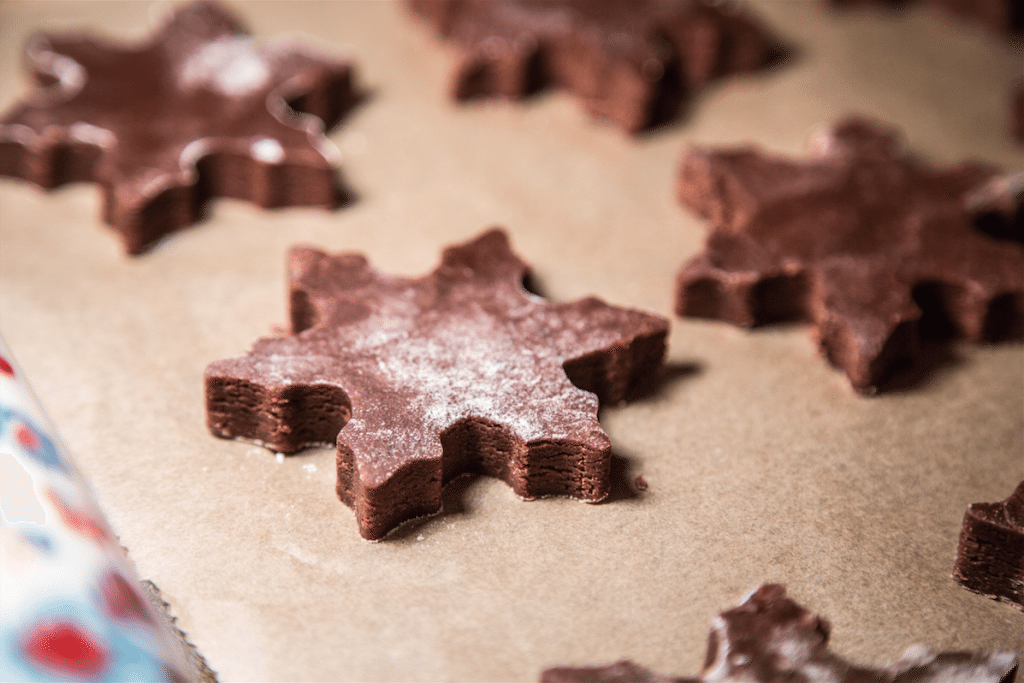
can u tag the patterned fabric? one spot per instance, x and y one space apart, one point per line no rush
70 606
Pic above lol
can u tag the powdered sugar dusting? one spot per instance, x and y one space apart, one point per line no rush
94 135
267 150
69 74
233 65
461 343
470 366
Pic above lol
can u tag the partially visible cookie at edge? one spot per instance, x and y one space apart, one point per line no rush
769 638
990 554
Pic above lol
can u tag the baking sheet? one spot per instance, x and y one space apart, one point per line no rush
762 464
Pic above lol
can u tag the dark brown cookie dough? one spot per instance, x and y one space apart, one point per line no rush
629 61
990 555
769 638
421 380
871 246
198 111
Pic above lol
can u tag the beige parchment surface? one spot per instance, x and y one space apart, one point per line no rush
762 464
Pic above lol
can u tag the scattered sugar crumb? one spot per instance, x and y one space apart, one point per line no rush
310 467
267 150
279 457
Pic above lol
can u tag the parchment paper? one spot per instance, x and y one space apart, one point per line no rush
762 463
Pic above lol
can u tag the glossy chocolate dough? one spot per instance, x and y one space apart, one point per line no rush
629 61
200 110
771 639
1001 16
458 371
990 555
871 246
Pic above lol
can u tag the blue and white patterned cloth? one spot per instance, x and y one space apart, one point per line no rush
70 606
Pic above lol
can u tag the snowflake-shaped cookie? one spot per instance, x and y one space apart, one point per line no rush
865 242
200 110
421 380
